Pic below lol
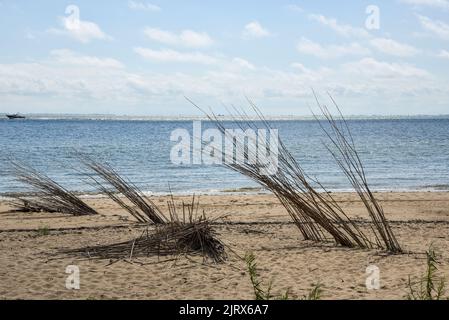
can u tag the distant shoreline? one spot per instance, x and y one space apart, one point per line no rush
100 117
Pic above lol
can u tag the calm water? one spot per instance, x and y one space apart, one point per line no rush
398 154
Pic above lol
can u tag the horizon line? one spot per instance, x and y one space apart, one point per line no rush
108 116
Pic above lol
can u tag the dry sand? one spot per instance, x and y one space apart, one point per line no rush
255 223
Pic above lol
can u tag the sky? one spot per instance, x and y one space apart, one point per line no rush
144 57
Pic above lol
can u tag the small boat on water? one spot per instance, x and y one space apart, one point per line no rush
15 116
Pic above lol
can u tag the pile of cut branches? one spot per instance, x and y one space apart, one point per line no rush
189 235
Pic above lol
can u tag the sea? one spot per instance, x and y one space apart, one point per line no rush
399 154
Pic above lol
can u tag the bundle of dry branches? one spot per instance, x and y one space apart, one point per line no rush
49 195
316 214
31 204
342 148
145 210
191 235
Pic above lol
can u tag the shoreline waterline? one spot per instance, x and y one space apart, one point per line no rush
98 195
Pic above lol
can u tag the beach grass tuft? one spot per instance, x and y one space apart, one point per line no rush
315 292
430 286
260 293
43 231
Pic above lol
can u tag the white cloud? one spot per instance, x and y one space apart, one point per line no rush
312 74
309 47
49 84
218 61
63 78
443 54
255 30
68 57
342 29
243 63
186 38
195 39
394 48
379 69
168 55
161 36
83 31
299 66
429 3
436 27
143 6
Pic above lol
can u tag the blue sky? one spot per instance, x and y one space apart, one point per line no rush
143 57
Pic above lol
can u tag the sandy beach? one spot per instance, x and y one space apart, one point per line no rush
251 222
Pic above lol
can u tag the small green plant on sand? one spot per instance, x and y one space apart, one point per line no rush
43 231
262 293
315 292
259 292
430 286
